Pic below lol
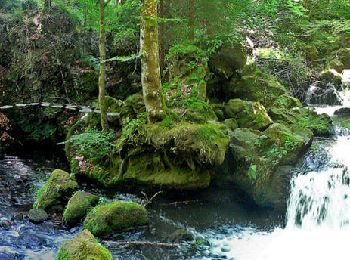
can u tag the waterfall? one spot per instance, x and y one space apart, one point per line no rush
322 199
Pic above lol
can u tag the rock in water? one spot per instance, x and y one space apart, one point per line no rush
37 215
83 246
53 196
181 235
344 111
78 206
115 216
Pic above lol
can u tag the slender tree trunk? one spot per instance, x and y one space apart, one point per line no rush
161 36
47 4
150 74
102 76
192 19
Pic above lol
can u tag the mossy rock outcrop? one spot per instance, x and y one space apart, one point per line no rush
83 246
248 114
117 216
288 111
254 85
181 156
78 206
53 196
259 158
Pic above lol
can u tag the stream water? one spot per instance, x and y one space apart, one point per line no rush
316 225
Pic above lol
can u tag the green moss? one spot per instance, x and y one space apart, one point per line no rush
228 59
83 246
78 206
258 154
154 169
255 86
206 143
248 114
342 121
53 196
106 219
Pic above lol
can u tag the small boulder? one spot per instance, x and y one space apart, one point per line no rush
323 95
248 114
181 235
344 111
254 85
37 215
78 206
106 219
83 246
53 196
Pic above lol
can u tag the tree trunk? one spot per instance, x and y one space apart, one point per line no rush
192 19
47 4
150 74
102 76
161 36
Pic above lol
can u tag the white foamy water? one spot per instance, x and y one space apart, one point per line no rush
346 76
318 217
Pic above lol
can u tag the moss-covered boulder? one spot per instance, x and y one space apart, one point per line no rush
83 246
53 196
228 59
248 114
254 85
117 216
179 156
261 160
37 215
342 121
344 56
288 111
78 206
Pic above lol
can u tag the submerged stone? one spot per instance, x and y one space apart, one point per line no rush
53 196
78 206
344 111
83 246
37 215
181 235
117 216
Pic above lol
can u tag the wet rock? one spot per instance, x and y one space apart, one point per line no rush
78 206
344 111
5 223
180 236
248 114
106 219
258 156
83 246
327 95
53 196
37 215
225 248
